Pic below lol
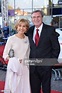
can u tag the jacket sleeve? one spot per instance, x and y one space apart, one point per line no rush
55 44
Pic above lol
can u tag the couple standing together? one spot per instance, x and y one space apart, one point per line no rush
21 78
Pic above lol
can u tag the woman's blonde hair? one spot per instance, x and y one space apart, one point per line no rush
24 21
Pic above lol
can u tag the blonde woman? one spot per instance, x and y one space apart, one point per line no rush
17 77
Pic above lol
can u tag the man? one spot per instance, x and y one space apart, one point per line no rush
44 45
6 30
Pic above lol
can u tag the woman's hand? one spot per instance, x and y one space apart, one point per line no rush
20 60
7 59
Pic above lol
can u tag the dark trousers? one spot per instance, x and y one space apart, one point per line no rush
41 76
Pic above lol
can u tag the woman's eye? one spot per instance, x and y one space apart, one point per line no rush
24 26
20 25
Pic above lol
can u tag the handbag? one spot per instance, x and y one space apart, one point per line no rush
11 53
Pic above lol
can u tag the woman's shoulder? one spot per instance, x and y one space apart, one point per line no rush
26 37
11 37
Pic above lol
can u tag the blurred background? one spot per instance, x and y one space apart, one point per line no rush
12 10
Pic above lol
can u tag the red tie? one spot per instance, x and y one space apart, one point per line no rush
37 37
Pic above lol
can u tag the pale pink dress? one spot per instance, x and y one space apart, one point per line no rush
17 77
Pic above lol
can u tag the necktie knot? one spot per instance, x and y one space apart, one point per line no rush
37 30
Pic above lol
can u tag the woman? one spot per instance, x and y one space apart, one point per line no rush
17 78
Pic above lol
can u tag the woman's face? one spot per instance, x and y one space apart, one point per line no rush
21 28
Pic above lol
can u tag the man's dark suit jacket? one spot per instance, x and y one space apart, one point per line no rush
48 46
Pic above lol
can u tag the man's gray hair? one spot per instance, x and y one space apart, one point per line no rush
40 11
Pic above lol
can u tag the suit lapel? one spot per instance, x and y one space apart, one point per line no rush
31 36
42 34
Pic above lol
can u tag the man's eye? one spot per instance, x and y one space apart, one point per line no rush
36 17
33 17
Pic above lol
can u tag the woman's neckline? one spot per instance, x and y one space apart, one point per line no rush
20 36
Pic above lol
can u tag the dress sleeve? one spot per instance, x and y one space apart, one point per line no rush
7 48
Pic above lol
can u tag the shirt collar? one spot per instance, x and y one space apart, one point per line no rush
40 28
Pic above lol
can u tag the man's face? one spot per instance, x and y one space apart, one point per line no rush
37 19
